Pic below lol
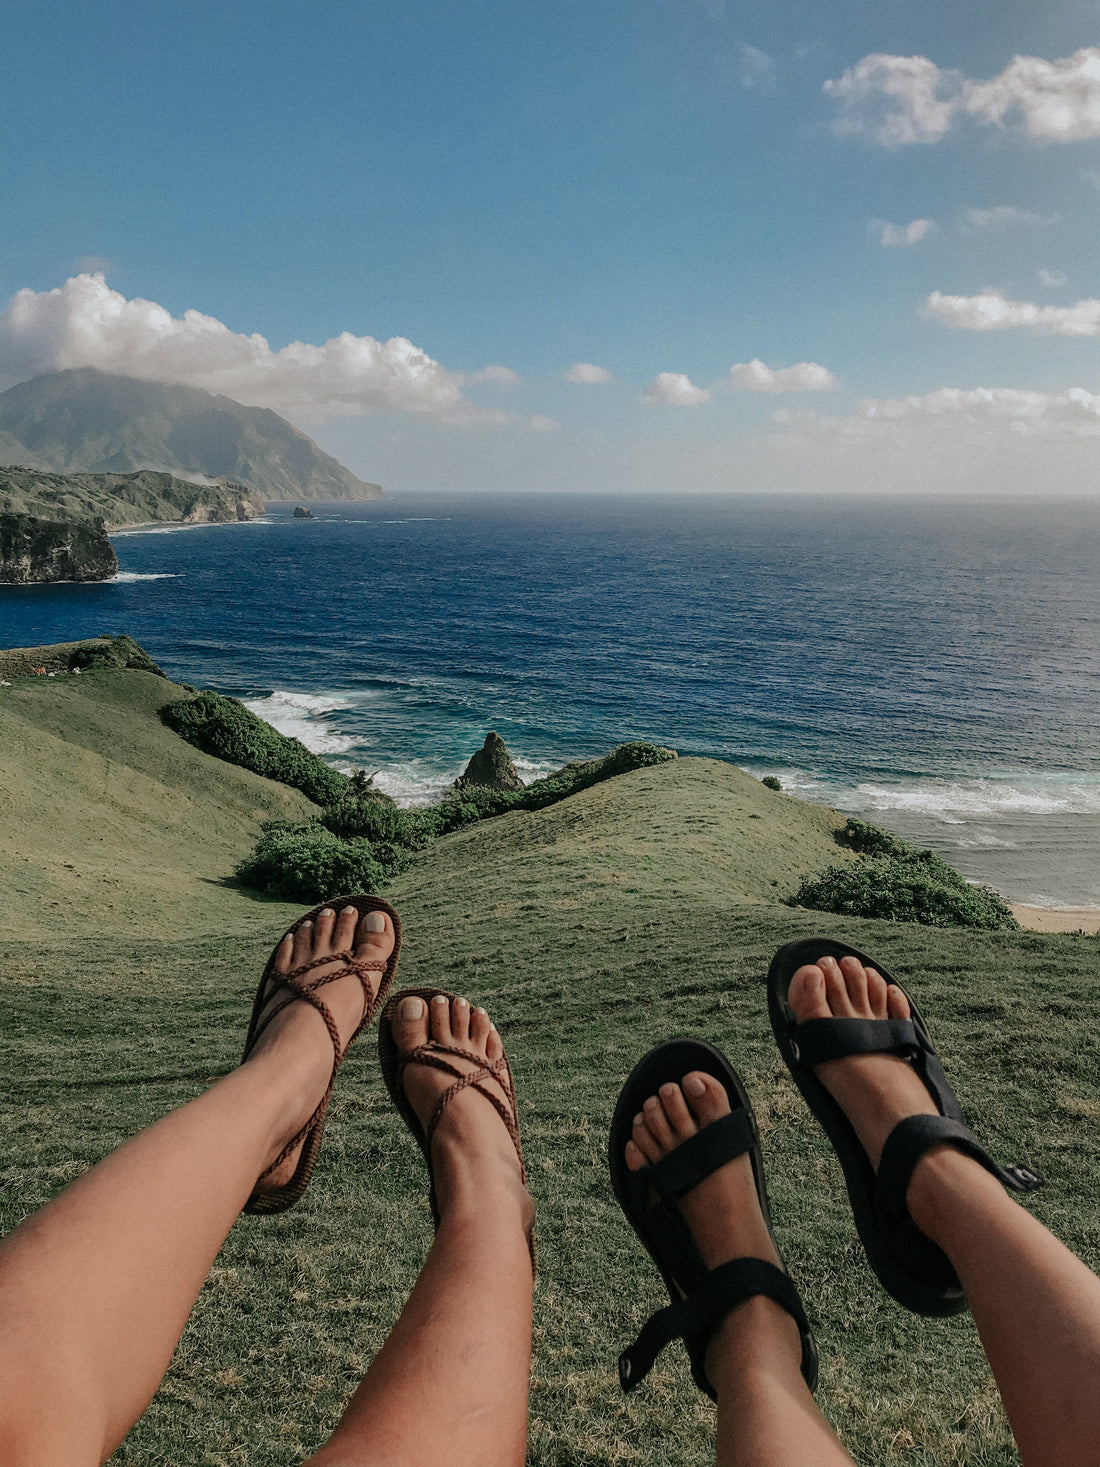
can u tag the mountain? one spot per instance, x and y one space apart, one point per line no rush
92 422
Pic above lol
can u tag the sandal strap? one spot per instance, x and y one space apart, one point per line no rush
908 1142
433 1054
699 1157
818 1040
692 1317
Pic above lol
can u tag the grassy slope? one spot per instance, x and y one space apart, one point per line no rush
593 929
111 819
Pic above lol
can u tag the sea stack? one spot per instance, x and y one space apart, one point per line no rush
491 768
301 513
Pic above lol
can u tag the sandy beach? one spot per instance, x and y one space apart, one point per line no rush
1062 919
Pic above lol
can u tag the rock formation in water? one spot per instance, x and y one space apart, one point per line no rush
301 513
36 551
490 768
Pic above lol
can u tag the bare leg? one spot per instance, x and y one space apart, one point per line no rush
1036 1305
766 1414
450 1384
97 1286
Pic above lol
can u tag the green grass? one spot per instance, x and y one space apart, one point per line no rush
641 908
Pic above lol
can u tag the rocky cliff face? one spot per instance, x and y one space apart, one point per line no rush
35 551
490 768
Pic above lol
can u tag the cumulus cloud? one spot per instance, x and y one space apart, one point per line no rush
755 68
587 374
899 236
1004 214
1074 412
674 389
86 324
899 100
1052 279
990 311
756 376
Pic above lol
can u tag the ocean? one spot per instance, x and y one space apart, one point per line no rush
931 665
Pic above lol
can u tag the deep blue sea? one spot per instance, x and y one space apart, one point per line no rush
932 665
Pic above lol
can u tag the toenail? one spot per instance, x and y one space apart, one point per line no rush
374 922
652 1103
411 1008
440 998
306 923
483 1012
668 1090
639 1119
463 1003
326 912
693 1085
346 911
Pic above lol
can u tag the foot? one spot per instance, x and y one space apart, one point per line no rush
297 1036
875 1091
725 1221
472 1152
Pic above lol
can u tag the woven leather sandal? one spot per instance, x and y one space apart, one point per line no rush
395 1061
701 1297
906 1262
300 987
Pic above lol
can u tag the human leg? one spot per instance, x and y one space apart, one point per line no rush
450 1383
96 1287
1036 1306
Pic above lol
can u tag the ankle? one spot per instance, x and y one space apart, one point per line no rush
758 1338
945 1189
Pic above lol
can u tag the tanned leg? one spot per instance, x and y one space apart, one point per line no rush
766 1414
450 1384
1036 1305
96 1287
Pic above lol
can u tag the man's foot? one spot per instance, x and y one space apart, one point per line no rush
875 1091
473 1154
297 1034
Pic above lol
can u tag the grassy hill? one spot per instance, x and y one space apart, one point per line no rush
637 909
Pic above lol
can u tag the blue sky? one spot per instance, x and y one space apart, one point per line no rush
876 216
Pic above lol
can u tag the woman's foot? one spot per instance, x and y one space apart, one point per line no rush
474 1159
297 1038
722 1213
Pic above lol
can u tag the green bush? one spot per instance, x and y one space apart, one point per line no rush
872 840
374 820
770 782
306 863
120 651
228 730
925 889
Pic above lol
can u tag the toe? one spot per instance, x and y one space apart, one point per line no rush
460 1022
836 988
706 1098
303 943
343 936
676 1112
494 1045
807 996
410 1023
658 1124
322 931
644 1139
876 993
284 954
855 980
897 1005
479 1028
439 1019
635 1159
375 936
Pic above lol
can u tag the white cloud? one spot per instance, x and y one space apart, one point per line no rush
756 376
542 424
898 100
755 67
674 389
86 324
588 374
990 311
1074 412
1052 279
898 236
1001 215
495 376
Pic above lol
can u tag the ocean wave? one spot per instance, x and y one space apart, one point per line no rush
126 577
301 716
181 529
952 801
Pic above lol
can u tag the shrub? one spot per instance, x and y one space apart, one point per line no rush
374 820
906 890
228 730
872 840
120 651
306 863
770 782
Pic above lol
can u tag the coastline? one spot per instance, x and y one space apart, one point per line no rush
1057 919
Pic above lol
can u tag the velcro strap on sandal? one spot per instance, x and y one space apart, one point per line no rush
819 1040
692 1317
908 1142
694 1160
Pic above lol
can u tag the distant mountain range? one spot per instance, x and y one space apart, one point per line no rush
84 421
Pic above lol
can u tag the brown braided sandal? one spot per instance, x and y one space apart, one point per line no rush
278 1199
395 1061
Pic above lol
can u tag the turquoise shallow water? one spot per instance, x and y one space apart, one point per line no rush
933 665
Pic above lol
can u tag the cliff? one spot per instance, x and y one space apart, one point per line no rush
37 551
